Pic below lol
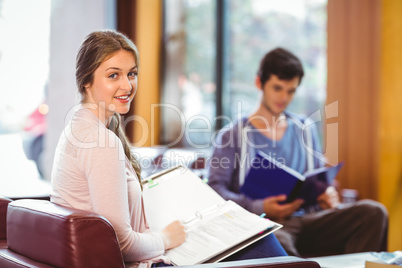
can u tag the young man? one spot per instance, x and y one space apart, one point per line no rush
321 227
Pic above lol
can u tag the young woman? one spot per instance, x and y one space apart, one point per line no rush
93 168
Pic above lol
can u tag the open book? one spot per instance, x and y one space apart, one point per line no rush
268 177
215 228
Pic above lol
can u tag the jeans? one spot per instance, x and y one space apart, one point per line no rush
268 246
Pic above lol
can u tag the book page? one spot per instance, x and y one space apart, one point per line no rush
325 174
177 195
213 225
217 231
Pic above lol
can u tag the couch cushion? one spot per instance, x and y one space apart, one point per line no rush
3 215
61 236
10 259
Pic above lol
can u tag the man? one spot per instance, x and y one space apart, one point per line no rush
322 227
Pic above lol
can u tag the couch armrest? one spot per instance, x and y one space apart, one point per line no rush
61 236
274 262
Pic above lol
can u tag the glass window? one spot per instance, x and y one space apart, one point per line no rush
257 26
24 67
251 28
188 92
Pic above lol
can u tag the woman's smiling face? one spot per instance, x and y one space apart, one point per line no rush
114 85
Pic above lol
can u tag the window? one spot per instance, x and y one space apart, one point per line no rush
212 52
31 41
189 88
24 67
258 26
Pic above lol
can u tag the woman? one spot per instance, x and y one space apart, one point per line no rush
93 168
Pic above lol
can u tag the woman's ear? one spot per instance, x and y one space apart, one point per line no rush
87 92
257 82
87 88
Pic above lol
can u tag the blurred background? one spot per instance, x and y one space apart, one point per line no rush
198 63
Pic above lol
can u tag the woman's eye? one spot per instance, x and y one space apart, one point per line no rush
113 76
132 74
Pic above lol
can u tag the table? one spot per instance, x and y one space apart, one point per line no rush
354 260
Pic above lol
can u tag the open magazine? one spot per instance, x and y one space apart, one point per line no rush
215 228
268 177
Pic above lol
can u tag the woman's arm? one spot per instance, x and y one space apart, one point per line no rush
104 167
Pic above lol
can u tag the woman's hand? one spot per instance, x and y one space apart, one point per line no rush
173 234
329 199
277 211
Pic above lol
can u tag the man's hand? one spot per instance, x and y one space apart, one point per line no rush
277 211
329 199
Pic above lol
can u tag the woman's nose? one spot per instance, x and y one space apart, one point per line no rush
126 85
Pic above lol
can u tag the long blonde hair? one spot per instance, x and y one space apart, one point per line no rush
96 48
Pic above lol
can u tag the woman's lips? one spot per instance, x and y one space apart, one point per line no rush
123 98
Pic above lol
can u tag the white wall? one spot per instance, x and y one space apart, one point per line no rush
71 21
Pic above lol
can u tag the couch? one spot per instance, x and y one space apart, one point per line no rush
38 233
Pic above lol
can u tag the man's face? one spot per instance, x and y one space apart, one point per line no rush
277 93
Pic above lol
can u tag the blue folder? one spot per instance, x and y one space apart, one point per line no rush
268 177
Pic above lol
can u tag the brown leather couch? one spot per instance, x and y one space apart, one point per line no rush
39 233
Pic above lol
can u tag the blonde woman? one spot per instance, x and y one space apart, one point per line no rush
93 169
